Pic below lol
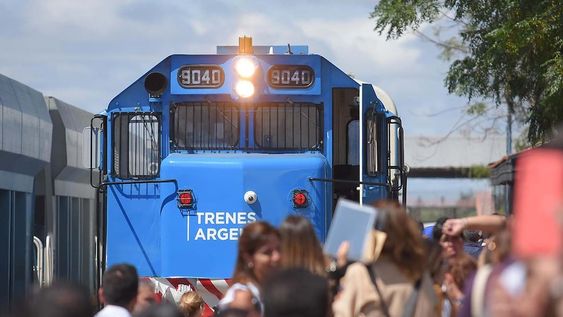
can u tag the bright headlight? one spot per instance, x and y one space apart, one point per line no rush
245 67
244 88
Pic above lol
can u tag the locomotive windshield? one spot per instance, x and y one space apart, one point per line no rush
136 143
205 126
268 126
288 126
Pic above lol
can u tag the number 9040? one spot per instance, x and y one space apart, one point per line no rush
290 76
201 76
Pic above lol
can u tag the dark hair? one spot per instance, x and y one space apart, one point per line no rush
254 236
438 227
296 292
61 299
300 246
120 284
434 261
420 226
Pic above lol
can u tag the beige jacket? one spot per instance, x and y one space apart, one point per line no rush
358 296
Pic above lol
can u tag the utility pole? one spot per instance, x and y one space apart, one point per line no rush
509 130
508 189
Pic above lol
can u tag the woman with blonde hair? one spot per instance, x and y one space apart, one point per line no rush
300 246
395 284
258 255
191 304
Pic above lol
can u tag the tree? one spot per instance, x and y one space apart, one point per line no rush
506 51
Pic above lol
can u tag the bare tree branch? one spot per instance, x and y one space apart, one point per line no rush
457 21
442 44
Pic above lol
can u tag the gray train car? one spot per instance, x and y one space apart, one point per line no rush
48 218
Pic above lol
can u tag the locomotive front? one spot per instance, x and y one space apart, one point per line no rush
201 145
241 135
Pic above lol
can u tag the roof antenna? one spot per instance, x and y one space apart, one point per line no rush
289 49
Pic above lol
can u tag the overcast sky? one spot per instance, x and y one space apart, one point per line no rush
85 52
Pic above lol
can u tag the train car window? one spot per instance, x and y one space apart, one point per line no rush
205 126
136 145
372 144
288 126
353 155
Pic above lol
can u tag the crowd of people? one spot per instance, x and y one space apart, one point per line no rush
488 265
461 267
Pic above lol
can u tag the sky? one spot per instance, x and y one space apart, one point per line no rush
86 52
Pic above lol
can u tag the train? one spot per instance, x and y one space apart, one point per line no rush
166 177
48 209
201 145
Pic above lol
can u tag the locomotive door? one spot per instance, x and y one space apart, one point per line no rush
372 182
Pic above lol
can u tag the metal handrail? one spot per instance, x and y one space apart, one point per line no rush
102 159
334 180
48 256
39 263
142 181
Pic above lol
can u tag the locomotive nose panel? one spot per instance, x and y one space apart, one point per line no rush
230 192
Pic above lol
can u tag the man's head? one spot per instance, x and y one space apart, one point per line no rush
296 292
61 299
119 286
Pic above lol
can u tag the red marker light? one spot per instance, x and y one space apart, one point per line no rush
185 198
300 199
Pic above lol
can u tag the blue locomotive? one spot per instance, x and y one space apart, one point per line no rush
201 145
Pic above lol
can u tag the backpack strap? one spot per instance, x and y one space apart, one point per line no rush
410 305
371 272
478 290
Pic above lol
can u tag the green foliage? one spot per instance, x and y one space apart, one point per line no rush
477 109
478 171
513 52
398 16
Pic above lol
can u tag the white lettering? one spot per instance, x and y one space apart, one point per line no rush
205 78
185 76
220 218
215 76
221 225
241 217
200 235
222 234
209 217
305 77
231 217
199 216
196 76
251 217
276 77
285 76
295 77
211 233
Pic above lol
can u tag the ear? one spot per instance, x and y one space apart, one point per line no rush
101 296
247 258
